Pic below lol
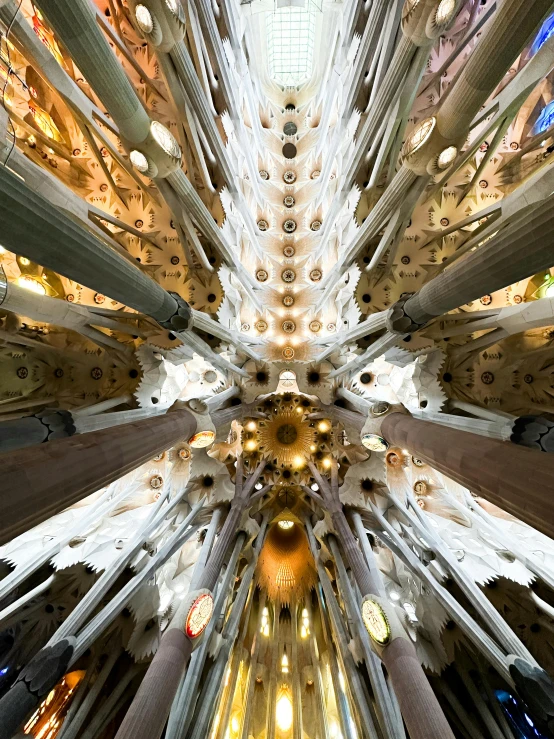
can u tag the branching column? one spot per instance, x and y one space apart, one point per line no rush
419 706
150 708
46 478
516 479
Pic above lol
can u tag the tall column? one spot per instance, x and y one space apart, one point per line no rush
296 687
516 479
419 706
150 708
50 477
31 227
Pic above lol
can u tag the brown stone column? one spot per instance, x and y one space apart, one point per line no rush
44 479
518 480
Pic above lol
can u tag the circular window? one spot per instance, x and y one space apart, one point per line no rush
288 300
316 275
263 225
289 226
289 177
288 352
289 151
261 326
288 201
315 174
264 174
315 326
290 128
288 327
261 275
315 225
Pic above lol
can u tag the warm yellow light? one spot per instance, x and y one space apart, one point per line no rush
303 632
24 261
326 463
250 445
334 732
283 713
286 524
251 426
298 461
299 409
29 283
235 725
323 426
285 664
313 447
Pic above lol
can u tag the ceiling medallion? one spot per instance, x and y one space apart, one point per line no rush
261 275
289 226
286 436
315 225
420 487
288 201
376 622
418 462
289 251
289 177
288 300
156 482
261 326
487 378
288 352
288 327
245 327
316 275
288 275
199 615
331 327
315 174
263 225
264 174
315 326
380 408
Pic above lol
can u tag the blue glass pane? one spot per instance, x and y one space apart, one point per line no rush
521 723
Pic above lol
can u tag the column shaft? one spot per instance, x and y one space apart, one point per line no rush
517 252
518 480
47 478
31 227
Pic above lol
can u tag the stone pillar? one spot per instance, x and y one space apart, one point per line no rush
150 708
50 477
419 706
75 23
518 251
30 226
516 479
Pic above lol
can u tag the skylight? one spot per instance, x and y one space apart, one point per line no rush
290 37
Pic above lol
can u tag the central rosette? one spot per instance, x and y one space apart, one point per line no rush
284 434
